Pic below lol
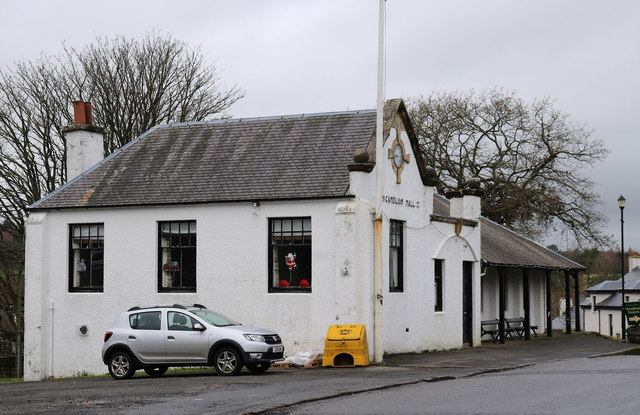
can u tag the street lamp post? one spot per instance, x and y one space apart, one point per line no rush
621 202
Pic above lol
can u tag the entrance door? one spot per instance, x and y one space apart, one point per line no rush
467 302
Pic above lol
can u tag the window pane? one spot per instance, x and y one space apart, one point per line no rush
175 227
393 267
297 225
184 227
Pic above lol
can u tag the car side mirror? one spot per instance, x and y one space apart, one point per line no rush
199 327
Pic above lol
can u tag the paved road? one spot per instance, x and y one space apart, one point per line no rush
285 390
607 385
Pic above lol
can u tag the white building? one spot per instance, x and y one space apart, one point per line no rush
270 221
602 308
209 212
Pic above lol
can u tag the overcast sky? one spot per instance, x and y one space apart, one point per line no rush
301 56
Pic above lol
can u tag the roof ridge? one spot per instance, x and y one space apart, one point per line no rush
267 118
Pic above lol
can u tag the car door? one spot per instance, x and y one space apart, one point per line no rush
146 337
183 343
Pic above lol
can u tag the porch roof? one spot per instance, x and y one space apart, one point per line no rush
501 247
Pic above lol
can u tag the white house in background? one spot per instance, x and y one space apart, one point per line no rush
602 308
267 220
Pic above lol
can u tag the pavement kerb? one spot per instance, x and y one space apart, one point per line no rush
617 353
390 386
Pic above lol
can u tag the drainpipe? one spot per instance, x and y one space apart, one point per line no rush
377 312
50 371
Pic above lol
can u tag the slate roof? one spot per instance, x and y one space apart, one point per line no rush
501 247
613 301
276 158
631 283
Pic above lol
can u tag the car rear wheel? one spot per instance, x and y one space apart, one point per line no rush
121 366
259 367
228 361
156 371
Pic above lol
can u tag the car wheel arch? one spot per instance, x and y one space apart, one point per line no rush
121 348
220 344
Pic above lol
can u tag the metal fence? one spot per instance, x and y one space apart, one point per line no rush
9 366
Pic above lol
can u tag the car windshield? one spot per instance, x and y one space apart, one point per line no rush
214 318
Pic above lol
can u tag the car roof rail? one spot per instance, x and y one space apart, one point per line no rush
200 306
134 308
179 306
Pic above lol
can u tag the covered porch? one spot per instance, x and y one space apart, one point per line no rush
516 284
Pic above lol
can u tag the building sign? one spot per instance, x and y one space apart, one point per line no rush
633 313
400 201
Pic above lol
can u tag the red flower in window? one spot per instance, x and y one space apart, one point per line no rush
284 283
304 283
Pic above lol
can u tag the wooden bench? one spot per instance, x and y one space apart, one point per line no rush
518 326
492 328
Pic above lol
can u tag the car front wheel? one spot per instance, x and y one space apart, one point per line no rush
156 372
228 361
121 366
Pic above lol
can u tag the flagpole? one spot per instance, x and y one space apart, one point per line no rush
378 339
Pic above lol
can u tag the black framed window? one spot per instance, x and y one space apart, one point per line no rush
86 257
437 278
396 277
290 254
177 256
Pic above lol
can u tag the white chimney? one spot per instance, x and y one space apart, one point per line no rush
634 261
465 203
85 141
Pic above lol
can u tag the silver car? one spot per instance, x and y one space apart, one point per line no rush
154 338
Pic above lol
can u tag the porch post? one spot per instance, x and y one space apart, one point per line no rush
547 274
576 283
567 302
526 302
501 275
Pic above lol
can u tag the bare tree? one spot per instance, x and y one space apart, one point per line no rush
529 158
133 85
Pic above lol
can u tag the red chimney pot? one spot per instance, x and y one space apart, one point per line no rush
82 112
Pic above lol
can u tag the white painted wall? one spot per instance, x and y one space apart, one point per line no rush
410 321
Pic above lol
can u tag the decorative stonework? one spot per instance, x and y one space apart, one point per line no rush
398 157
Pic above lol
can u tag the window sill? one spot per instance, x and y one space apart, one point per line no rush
177 290
86 290
290 290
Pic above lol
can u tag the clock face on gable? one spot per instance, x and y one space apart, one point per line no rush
398 157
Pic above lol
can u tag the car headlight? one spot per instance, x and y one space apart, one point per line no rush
254 337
